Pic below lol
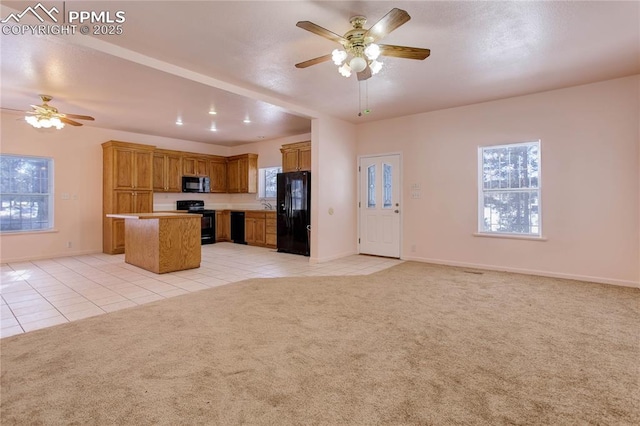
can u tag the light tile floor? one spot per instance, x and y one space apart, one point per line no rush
43 293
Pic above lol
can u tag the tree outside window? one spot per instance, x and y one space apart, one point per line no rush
509 190
268 182
26 188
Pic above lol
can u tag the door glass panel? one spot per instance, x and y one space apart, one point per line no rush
387 184
371 186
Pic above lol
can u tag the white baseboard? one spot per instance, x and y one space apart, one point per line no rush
49 256
600 280
330 258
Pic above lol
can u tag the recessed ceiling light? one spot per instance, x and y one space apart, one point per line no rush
212 112
246 120
213 129
179 122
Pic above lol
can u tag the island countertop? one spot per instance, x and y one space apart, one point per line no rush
155 215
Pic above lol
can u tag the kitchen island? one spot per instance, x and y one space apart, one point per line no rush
162 242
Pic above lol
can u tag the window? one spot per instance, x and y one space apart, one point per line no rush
268 182
26 188
509 189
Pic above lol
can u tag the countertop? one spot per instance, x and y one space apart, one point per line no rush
219 210
155 215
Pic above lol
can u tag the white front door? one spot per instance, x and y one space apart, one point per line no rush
379 205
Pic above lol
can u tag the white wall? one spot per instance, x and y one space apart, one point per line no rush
333 189
590 180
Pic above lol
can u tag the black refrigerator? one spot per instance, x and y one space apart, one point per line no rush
294 212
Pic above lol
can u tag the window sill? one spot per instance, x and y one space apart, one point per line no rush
28 232
510 236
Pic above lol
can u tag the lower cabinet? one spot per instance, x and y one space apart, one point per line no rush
259 227
123 202
254 228
270 230
117 235
223 225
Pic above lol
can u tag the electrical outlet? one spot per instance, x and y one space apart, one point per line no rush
413 248
415 194
68 244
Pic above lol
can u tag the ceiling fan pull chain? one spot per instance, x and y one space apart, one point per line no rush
366 98
359 98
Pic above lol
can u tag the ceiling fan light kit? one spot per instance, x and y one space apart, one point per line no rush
45 116
359 45
44 122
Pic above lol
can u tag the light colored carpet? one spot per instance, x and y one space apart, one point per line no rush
414 344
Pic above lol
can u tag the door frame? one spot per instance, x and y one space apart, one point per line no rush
359 195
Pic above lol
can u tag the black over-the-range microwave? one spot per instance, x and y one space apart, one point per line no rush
195 184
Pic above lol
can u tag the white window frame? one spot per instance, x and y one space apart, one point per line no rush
262 183
481 194
10 194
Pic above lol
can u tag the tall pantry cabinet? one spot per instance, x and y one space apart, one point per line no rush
127 188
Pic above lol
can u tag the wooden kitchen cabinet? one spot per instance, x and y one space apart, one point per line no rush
133 202
255 228
296 156
129 165
167 171
127 188
218 173
195 166
271 235
124 202
223 225
242 174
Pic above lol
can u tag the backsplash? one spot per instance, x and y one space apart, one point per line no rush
167 201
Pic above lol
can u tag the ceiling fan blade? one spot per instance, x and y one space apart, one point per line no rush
388 23
70 122
79 117
323 32
313 61
15 110
404 51
364 74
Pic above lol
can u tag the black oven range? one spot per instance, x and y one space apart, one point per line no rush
208 226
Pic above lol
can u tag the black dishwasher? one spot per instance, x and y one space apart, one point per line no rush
237 227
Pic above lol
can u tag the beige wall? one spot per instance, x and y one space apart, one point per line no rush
590 181
333 189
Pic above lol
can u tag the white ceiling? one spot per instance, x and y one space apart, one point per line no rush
183 58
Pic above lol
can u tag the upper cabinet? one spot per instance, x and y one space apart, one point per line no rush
296 156
130 166
167 171
127 188
195 165
218 173
242 174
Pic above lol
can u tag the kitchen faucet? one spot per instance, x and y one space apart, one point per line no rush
267 206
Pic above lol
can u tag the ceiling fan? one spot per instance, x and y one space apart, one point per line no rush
359 44
45 116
